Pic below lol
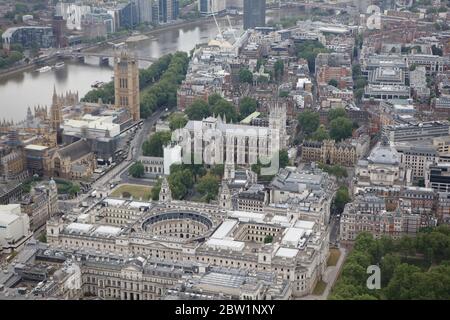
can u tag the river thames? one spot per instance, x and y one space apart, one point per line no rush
31 88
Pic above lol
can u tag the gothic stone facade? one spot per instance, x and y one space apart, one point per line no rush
329 152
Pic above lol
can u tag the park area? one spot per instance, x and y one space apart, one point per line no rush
138 192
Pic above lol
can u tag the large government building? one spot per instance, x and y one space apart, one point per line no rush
141 250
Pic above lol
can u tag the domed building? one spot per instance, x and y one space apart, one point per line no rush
382 168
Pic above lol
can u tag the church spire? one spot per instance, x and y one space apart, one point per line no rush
55 96
165 194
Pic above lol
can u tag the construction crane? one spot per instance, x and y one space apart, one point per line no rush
220 35
231 27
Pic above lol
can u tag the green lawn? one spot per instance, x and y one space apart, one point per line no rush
136 191
320 288
334 257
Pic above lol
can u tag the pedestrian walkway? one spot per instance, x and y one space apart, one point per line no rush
330 276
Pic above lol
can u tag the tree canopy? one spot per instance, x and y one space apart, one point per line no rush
247 106
341 198
336 113
308 121
225 108
154 147
245 76
208 187
198 110
333 82
341 128
278 68
137 170
414 276
309 50
320 134
177 120
163 94
180 183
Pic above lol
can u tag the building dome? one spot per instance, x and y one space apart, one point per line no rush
383 153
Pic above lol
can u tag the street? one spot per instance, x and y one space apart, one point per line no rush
120 171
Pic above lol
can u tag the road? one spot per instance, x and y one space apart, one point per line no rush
120 169
334 226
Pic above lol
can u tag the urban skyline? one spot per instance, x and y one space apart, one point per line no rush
225 150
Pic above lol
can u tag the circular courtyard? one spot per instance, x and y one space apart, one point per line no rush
183 225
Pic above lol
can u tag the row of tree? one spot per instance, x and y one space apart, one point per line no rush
217 105
411 268
8 59
163 94
146 78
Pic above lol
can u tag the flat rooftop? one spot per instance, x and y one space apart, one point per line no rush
35 147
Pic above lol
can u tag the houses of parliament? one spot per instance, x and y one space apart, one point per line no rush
66 139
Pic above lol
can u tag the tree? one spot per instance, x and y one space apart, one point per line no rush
180 183
402 283
245 76
360 83
341 128
177 120
268 239
17 47
407 246
225 108
436 51
163 94
333 82
387 267
283 158
208 187
218 170
43 238
198 110
320 134
137 170
278 68
156 190
214 98
359 94
106 93
154 146
412 67
309 121
336 113
356 71
284 94
354 273
309 50
335 170
247 106
74 189
341 199
263 79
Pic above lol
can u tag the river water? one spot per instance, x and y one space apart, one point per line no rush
32 88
